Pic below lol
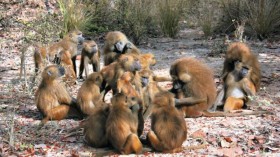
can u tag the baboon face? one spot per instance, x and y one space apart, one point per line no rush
145 74
96 77
121 99
121 47
130 63
53 71
91 46
242 69
77 36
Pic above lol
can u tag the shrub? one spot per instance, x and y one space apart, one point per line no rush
169 15
134 18
261 16
76 14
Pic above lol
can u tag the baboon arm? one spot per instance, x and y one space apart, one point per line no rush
190 101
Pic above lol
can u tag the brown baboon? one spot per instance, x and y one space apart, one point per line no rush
111 73
116 43
193 80
241 76
52 98
68 44
168 128
90 55
95 126
122 125
89 95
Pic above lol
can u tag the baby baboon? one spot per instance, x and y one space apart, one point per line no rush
111 73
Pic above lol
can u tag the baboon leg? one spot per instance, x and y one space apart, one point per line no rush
132 145
74 64
81 68
57 113
154 141
233 104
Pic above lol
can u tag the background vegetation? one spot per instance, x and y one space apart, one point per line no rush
140 19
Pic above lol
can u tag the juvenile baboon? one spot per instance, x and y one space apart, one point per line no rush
111 73
168 128
52 98
116 43
68 44
89 95
90 55
122 125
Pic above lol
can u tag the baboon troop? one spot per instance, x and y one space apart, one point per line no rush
136 94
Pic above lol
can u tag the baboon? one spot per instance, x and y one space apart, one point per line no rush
241 76
151 88
116 43
147 60
111 73
69 43
89 95
168 128
66 62
241 52
193 80
125 87
237 87
52 98
95 126
122 125
90 55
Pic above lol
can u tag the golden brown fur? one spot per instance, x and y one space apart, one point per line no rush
168 128
89 94
95 126
111 73
194 80
122 125
242 53
68 44
52 98
116 43
90 55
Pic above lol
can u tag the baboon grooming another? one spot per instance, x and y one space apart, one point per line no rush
193 80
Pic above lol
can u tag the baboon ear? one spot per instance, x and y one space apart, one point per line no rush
185 77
